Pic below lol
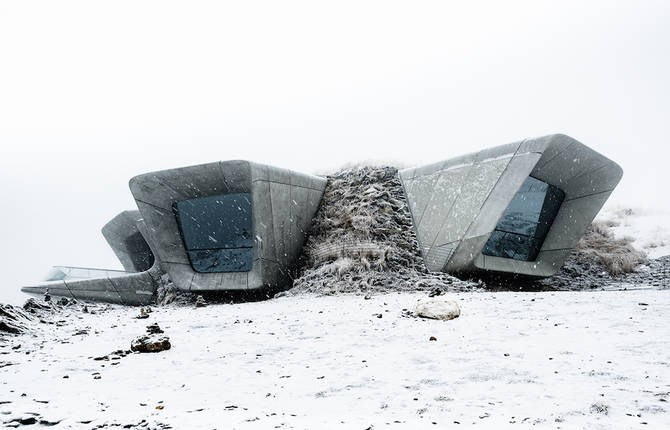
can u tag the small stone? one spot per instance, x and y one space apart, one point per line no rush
143 314
432 338
200 302
154 329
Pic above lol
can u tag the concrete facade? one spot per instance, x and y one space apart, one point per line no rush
241 226
124 237
149 243
283 202
456 204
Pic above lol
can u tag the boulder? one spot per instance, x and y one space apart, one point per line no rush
149 343
439 308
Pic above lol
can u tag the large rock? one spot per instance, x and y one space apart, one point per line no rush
149 343
438 308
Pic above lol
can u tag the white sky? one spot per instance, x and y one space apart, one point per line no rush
92 93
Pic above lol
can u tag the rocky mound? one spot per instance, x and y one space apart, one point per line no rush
362 240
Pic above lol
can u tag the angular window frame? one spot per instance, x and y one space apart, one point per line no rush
521 237
219 249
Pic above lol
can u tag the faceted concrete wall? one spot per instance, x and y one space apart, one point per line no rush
125 234
127 242
457 203
134 289
283 204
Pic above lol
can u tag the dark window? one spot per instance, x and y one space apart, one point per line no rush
526 221
217 232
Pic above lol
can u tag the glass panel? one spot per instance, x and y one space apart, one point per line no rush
217 232
221 260
524 225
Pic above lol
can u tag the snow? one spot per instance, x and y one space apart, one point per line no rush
649 229
544 360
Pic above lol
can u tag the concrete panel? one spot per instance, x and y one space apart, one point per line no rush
595 181
547 146
510 181
490 154
556 144
279 175
462 259
263 227
548 263
574 161
135 290
420 193
164 233
127 242
445 194
279 194
94 290
56 288
474 193
301 221
572 220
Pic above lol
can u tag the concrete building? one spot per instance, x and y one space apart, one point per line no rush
518 208
229 225
240 226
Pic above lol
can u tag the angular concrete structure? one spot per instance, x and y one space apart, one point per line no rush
469 211
275 208
240 226
124 237
223 226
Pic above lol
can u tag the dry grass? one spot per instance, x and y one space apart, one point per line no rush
617 255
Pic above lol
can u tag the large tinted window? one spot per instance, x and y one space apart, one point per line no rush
526 221
217 232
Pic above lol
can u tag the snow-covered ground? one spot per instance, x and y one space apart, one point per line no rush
546 360
649 229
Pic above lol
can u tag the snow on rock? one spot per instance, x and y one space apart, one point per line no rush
439 308
152 341
148 343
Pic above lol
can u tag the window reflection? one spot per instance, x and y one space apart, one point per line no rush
524 225
217 232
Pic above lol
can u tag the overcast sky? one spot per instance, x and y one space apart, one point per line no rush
92 93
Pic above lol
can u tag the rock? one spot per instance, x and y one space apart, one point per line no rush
154 329
63 301
435 292
143 314
438 308
200 302
32 306
150 343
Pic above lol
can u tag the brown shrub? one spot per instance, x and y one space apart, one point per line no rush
617 255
